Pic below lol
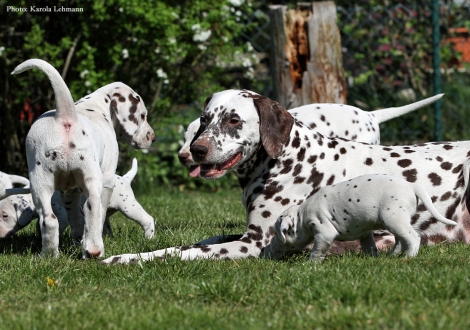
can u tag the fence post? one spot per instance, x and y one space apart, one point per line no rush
436 65
307 63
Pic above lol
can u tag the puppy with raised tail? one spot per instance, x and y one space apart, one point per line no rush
74 149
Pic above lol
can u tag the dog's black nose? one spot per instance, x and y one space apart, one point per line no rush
198 150
183 156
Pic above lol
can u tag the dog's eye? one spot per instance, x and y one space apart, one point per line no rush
234 120
202 120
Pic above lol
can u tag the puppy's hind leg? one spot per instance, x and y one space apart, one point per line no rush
48 222
93 246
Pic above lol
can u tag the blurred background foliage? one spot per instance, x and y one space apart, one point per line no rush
176 53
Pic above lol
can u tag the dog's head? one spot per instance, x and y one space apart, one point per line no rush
15 213
233 125
184 154
129 116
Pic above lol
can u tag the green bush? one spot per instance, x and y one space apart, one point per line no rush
173 53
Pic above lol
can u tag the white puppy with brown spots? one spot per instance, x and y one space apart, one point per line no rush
351 210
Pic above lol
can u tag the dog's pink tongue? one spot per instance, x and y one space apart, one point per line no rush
194 171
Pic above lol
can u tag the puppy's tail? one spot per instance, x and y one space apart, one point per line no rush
65 106
390 113
16 179
424 197
132 172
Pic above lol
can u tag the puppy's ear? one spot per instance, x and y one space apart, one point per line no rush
128 109
275 125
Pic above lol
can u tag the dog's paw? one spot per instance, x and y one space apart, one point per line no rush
125 259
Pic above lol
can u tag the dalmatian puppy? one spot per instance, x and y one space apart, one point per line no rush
332 120
280 162
18 211
351 210
74 149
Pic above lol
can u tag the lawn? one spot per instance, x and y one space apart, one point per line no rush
430 291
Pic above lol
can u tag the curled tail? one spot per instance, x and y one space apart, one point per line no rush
65 106
424 197
390 113
16 179
132 172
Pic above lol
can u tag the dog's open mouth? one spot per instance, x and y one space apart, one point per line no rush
212 171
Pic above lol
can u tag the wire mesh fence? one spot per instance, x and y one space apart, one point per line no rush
387 54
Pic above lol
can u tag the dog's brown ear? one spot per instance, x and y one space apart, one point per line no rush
275 125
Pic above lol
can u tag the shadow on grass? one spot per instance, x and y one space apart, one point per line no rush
25 243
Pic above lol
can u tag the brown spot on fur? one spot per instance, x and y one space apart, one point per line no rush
425 225
266 214
404 163
414 218
435 179
446 196
330 180
410 175
120 97
446 166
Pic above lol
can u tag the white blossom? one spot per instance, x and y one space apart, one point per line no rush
236 3
87 83
202 47
2 49
121 9
202 36
125 53
84 73
246 62
161 74
172 40
166 81
175 15
157 50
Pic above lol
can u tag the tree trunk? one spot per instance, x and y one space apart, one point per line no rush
306 60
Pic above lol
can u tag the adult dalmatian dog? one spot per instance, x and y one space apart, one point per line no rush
332 120
351 210
280 162
74 149
18 211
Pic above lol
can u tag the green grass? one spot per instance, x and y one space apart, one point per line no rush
430 291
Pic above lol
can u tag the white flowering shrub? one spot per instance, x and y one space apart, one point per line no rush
174 54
